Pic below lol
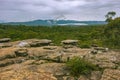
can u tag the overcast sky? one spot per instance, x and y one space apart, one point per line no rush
27 10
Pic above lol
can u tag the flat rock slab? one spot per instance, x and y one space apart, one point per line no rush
69 41
38 42
4 45
5 40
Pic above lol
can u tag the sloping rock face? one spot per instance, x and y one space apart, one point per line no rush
7 53
105 60
111 74
26 73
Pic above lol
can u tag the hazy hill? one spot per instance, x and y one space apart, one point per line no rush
57 22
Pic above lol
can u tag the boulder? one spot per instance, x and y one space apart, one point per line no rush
5 40
23 44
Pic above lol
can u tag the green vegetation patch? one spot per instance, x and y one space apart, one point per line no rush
78 66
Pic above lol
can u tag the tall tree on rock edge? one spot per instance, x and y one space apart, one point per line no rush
109 16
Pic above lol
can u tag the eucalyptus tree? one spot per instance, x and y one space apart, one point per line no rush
109 16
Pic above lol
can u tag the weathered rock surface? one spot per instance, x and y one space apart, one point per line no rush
41 61
104 60
111 74
26 73
95 75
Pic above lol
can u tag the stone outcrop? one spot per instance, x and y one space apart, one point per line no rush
69 43
21 52
38 43
96 50
72 42
5 40
4 45
36 59
34 43
104 60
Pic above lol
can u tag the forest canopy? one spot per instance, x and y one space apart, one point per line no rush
102 35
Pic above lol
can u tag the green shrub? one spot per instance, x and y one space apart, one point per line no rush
78 66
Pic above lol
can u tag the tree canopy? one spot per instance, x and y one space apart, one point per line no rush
112 33
109 16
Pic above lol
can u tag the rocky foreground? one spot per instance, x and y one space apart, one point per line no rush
36 59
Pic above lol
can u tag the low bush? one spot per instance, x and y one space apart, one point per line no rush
78 66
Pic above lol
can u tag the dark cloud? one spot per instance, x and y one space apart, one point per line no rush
22 10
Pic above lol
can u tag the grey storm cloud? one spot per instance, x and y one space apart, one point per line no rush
26 10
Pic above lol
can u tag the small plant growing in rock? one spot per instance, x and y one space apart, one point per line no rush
78 66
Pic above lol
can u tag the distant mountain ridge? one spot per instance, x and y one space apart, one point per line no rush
56 22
